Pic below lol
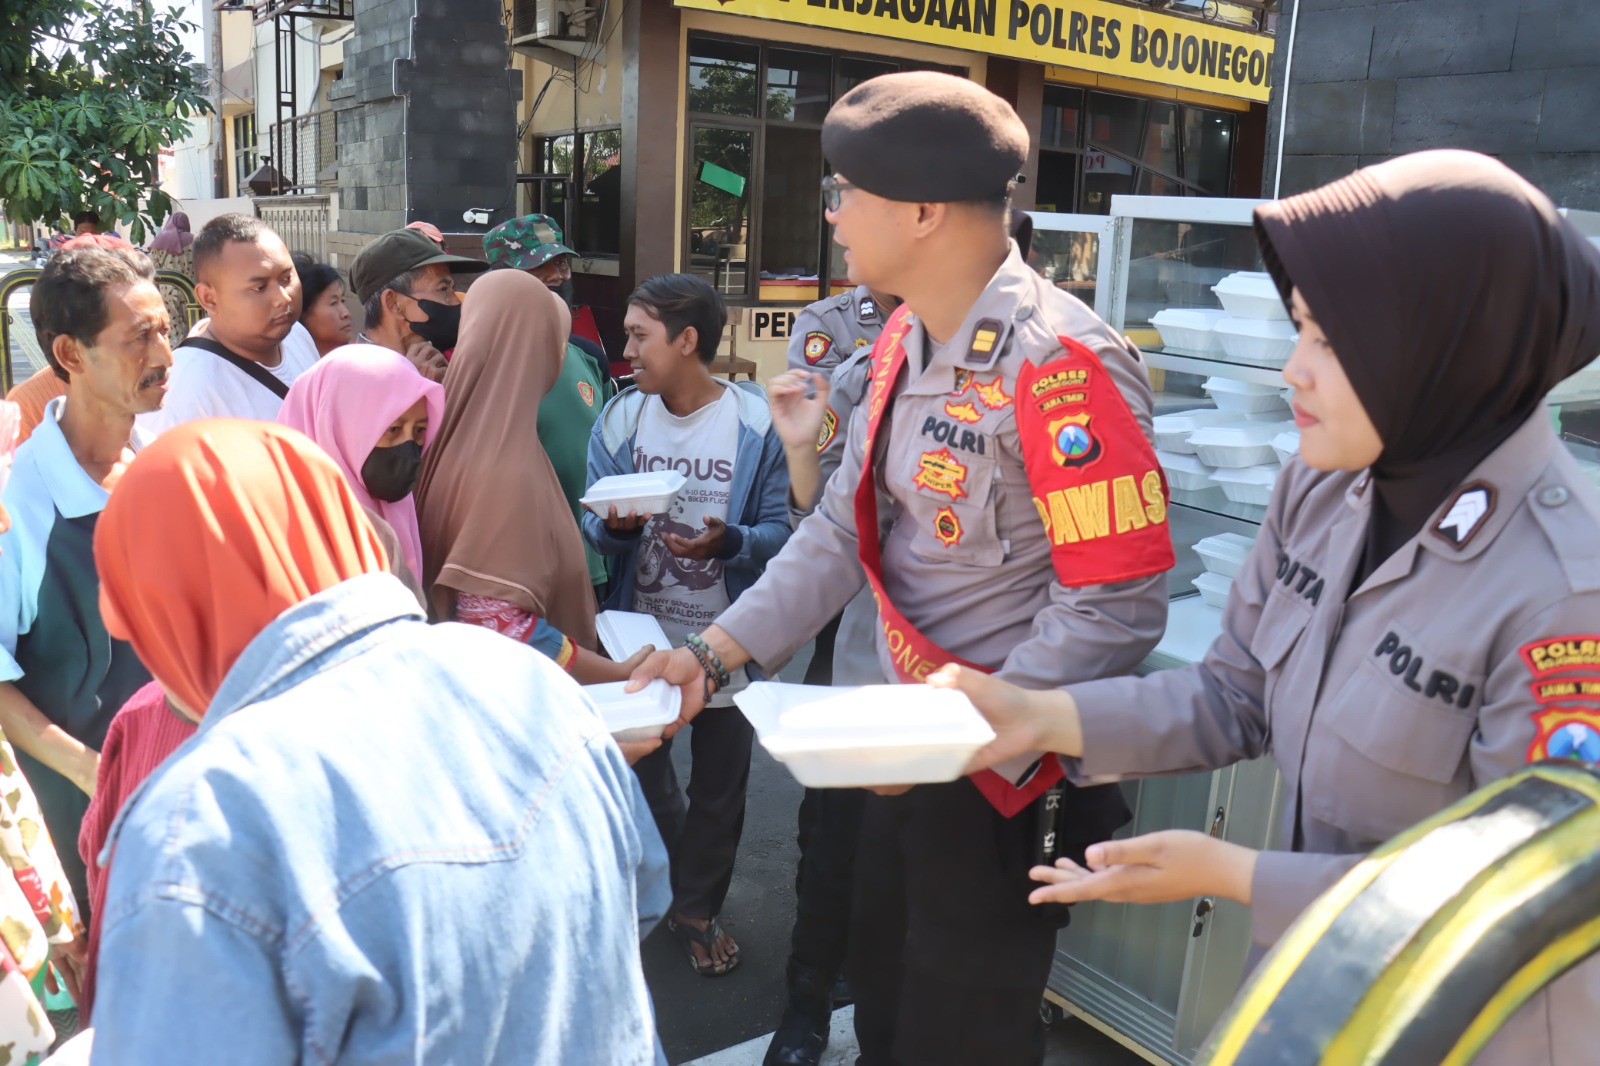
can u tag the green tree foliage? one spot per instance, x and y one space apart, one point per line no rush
89 92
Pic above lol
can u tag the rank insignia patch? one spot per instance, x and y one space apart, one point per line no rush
586 390
1566 733
962 412
943 473
1466 514
1072 442
985 335
830 428
817 345
947 527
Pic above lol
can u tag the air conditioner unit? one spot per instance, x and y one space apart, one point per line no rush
569 27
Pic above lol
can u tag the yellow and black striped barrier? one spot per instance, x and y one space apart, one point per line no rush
1424 950
13 283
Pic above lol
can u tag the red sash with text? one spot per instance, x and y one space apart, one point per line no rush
914 655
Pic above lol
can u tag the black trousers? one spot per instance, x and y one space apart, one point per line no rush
947 960
702 835
830 825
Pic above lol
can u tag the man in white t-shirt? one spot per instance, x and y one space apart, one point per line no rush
254 346
686 565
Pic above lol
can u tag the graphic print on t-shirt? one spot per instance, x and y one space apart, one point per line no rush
685 595
707 493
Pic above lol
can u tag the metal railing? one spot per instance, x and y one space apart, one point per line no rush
302 221
304 149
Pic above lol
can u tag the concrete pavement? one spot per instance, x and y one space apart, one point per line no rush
728 1020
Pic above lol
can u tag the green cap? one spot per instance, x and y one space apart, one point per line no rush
526 242
397 252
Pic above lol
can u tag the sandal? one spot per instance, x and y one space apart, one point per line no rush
688 936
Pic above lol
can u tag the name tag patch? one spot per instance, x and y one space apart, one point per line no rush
1300 578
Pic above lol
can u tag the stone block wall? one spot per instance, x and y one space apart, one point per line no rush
1371 79
427 123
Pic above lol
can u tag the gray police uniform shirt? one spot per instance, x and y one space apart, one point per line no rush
835 337
1449 667
990 593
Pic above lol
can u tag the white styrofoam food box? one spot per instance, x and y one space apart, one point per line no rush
1267 342
1243 444
1286 445
1224 553
1250 294
1214 588
874 735
1172 431
641 715
1251 484
1190 330
1184 472
1241 397
650 493
623 633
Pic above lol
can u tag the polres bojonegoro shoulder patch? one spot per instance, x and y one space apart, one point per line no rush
1554 654
1566 733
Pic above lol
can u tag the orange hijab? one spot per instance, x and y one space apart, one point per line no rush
215 530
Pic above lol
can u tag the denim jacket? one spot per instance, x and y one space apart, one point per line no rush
758 509
389 843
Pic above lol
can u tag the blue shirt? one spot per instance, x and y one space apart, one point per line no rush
387 843
53 645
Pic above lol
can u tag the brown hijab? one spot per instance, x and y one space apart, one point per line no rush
1455 297
493 518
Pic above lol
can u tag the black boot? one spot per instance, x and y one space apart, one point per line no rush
803 1035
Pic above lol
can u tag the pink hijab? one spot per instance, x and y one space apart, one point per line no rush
174 236
346 402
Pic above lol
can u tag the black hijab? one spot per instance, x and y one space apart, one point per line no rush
1455 298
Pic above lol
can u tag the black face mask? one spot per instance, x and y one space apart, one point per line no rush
391 473
441 326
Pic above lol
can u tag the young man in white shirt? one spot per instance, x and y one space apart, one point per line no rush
254 346
686 565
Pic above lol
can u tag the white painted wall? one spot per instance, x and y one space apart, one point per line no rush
186 167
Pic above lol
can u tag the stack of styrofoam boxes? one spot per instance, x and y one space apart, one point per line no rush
1253 327
1257 329
1229 447
1223 556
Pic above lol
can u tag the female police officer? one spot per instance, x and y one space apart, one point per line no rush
1426 586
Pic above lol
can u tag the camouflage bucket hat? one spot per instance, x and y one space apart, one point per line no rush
526 242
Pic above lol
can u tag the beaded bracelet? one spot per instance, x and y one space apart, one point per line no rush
709 684
709 661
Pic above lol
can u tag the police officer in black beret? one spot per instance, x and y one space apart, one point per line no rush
995 401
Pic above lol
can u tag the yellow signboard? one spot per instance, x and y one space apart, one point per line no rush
1086 34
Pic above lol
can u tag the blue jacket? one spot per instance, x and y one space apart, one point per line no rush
388 843
759 492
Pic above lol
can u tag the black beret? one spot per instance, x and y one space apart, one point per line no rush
925 137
